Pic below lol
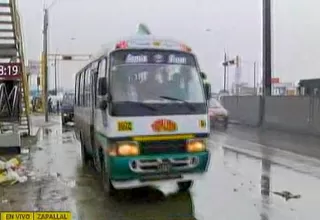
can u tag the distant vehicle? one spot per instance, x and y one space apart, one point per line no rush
141 113
218 114
67 107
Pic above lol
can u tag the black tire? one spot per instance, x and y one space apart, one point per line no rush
105 180
63 120
185 185
85 157
96 164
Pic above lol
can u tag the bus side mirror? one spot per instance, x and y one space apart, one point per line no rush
203 75
207 90
102 86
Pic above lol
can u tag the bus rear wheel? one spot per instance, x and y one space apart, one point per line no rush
185 185
106 182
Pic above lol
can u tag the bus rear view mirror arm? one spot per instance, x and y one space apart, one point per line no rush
103 105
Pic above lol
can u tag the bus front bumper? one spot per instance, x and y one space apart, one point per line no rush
130 184
134 172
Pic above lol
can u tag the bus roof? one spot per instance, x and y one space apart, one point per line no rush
143 41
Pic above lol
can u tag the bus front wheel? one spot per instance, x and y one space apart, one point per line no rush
185 185
106 182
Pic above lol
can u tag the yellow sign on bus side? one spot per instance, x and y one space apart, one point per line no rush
202 123
36 215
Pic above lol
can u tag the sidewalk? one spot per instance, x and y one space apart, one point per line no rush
38 121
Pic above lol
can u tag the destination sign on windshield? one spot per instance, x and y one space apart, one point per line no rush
152 57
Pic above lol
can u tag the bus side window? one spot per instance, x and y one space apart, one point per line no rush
101 73
87 88
94 77
81 88
76 87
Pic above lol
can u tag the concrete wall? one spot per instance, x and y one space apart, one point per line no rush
242 109
291 113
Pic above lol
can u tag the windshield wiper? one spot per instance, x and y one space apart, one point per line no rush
142 104
188 104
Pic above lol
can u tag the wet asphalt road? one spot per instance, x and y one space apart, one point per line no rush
243 181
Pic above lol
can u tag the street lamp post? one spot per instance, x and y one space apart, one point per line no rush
225 72
45 62
45 59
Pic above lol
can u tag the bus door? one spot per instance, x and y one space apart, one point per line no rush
100 117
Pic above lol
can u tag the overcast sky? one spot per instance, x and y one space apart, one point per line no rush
235 27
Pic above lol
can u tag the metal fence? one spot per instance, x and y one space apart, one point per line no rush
290 113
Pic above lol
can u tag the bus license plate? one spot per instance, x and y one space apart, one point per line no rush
164 167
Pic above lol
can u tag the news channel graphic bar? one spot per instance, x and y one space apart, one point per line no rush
36 216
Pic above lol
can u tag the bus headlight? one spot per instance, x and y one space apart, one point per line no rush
196 145
127 149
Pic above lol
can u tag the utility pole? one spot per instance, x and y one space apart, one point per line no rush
45 62
225 72
237 75
267 54
55 76
255 78
267 70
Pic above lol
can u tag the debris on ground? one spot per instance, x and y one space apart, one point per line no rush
11 172
66 182
287 195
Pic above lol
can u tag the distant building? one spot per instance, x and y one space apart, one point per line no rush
309 87
278 88
243 89
281 89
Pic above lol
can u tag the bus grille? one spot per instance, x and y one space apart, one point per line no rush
159 147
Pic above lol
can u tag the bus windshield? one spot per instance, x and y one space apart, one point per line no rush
155 77
151 81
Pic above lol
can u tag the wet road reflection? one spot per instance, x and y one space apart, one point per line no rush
145 203
244 181
265 186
